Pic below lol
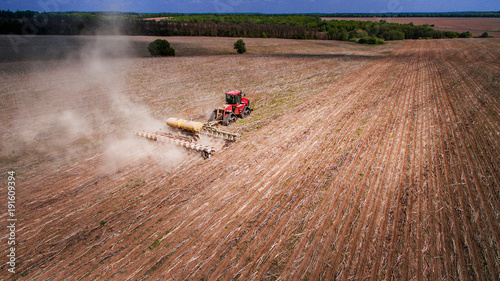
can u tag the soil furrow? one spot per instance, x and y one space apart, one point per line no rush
377 162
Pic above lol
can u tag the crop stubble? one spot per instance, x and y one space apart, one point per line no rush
391 171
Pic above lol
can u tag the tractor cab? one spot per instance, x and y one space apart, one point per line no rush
233 97
235 107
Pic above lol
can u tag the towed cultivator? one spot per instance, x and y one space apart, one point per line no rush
187 134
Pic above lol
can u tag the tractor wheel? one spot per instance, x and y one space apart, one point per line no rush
212 116
205 155
229 119
246 111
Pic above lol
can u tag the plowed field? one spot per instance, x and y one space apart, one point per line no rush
361 163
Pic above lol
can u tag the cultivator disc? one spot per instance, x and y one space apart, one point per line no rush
206 151
210 129
188 133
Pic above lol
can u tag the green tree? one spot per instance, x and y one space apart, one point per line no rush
358 33
160 47
239 46
466 34
371 40
344 36
485 35
450 34
393 35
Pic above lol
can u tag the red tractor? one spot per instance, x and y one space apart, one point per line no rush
236 106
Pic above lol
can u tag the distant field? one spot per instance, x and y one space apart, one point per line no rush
158 18
475 25
57 47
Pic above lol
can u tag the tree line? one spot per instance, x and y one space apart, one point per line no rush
221 29
294 26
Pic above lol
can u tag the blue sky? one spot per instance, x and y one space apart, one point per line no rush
261 6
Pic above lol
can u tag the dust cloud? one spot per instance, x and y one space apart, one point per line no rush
65 109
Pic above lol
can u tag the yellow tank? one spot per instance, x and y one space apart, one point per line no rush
184 124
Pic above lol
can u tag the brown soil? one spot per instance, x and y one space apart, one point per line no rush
158 18
358 162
